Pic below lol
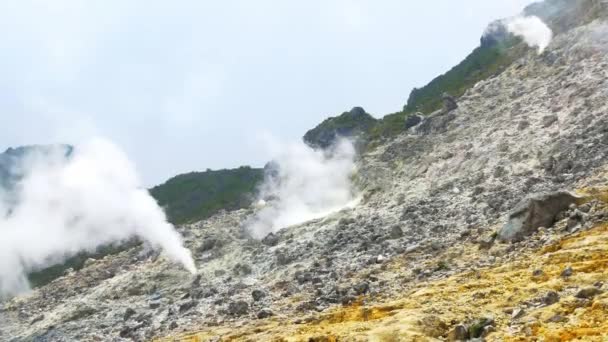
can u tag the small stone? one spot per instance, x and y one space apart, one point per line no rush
265 313
271 240
128 313
238 308
517 313
154 304
557 319
550 298
549 120
567 272
187 306
37 319
572 223
173 325
258 295
459 333
538 273
361 288
588 292
487 330
396 232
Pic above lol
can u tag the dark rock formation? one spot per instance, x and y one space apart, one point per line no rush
350 124
534 212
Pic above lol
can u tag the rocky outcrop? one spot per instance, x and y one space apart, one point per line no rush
534 212
355 123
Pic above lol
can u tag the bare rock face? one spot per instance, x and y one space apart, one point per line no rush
534 212
449 102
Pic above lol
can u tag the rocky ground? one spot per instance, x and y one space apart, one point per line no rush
422 257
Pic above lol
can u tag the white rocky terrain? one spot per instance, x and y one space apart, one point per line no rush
434 202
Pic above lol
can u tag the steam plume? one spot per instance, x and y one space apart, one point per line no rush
304 184
65 206
532 29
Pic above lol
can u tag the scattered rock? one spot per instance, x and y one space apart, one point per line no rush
271 240
567 272
361 288
459 333
588 292
396 232
477 329
548 120
413 120
128 313
258 295
518 313
238 308
187 306
550 298
265 313
534 212
433 326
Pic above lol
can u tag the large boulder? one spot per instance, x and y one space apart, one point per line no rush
535 211
413 120
449 102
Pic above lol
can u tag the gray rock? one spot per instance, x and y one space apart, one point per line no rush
567 272
550 298
264 313
548 120
523 125
128 313
413 120
459 333
283 258
517 313
588 292
187 306
238 308
396 232
533 212
271 240
207 245
258 295
361 288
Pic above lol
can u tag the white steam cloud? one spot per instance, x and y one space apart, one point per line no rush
532 29
65 206
304 184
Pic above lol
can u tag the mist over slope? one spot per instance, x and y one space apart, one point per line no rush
484 219
64 206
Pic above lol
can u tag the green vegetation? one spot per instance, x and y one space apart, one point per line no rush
484 62
197 195
353 123
48 274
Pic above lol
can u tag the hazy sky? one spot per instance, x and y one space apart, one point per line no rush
190 85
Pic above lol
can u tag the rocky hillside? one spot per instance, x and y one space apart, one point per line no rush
485 220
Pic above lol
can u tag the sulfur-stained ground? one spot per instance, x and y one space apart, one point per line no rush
429 311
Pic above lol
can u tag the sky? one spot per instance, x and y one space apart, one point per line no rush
188 85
